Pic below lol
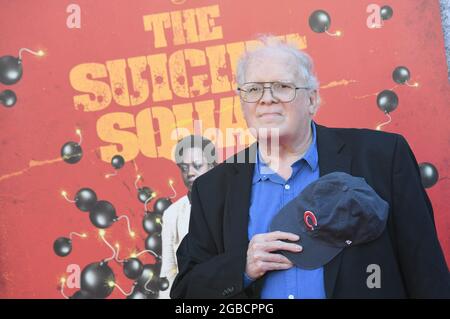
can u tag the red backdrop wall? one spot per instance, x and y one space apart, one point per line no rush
352 69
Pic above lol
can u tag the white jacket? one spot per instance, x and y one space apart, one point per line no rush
175 226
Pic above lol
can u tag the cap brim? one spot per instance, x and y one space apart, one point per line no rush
314 253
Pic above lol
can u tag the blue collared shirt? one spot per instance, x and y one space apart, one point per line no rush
270 193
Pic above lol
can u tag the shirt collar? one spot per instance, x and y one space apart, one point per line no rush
311 158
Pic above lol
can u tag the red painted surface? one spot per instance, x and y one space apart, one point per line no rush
32 212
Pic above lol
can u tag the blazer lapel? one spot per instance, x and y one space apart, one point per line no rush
237 204
333 156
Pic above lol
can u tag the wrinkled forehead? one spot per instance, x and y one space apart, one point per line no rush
272 65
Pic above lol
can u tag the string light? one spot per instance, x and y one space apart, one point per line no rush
113 284
131 232
152 195
36 53
138 177
77 234
78 132
102 233
378 128
64 194
136 255
117 254
414 85
111 174
338 33
148 281
173 189
63 282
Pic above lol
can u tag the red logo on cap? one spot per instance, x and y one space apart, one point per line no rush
309 216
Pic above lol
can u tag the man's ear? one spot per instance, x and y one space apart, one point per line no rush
312 107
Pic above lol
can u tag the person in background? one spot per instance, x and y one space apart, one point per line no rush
194 156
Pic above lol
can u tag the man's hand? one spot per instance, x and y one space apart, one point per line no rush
259 256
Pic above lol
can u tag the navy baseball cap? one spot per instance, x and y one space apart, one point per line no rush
336 211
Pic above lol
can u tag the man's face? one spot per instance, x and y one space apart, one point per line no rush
289 118
193 164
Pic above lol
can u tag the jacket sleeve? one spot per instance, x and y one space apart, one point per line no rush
205 270
169 266
424 269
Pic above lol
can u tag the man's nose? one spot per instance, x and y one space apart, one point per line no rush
267 97
191 171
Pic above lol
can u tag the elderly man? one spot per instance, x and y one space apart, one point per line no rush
194 155
229 252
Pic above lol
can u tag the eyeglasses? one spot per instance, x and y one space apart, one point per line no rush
252 92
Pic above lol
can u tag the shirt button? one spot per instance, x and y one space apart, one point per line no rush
287 187
291 297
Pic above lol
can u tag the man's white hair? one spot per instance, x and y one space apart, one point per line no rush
303 62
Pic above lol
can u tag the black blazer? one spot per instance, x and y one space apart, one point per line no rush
212 257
